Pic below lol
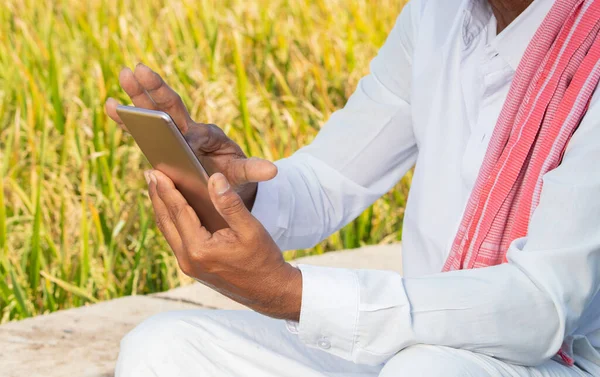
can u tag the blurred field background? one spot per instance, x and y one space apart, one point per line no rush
75 222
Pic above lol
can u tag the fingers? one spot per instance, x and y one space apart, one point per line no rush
230 206
149 91
209 139
252 170
165 98
135 90
163 218
111 110
181 214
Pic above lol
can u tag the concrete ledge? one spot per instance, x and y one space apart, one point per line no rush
85 341
76 342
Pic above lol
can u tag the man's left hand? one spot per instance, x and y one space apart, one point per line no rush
242 261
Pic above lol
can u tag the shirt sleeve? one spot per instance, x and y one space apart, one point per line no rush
520 311
359 154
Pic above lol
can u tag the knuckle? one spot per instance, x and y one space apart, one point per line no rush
192 136
172 101
177 210
194 255
253 238
162 221
199 261
232 204
177 99
215 130
240 171
212 139
162 189
191 214
198 257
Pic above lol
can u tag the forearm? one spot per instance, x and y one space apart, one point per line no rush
520 311
360 153
308 201
498 311
368 316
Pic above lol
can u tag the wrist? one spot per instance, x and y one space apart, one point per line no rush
285 298
292 296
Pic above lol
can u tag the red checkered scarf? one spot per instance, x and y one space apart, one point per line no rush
548 98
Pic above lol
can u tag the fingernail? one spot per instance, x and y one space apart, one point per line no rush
124 71
220 183
150 177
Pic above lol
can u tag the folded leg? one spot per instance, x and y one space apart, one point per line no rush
208 343
435 361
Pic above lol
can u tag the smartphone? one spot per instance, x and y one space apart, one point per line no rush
166 149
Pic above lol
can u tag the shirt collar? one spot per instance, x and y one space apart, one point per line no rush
512 42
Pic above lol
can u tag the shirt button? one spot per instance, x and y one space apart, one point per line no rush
324 343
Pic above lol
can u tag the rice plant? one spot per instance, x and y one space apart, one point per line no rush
75 222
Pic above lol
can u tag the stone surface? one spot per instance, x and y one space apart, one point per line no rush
379 257
77 342
85 341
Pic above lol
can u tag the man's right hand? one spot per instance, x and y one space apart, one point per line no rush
214 149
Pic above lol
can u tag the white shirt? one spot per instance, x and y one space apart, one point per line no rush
432 99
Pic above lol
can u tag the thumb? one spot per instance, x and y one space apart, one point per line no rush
252 169
229 204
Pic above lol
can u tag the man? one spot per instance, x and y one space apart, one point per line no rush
433 98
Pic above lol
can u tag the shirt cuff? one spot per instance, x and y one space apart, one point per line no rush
359 315
329 311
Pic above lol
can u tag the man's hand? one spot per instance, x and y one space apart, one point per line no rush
242 262
214 149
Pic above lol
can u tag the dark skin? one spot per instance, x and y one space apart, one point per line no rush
242 262
506 11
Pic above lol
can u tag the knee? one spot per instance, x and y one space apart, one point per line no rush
153 341
152 331
425 361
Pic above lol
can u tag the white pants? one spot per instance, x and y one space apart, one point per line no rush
209 343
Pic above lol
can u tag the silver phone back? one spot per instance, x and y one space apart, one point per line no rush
167 151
